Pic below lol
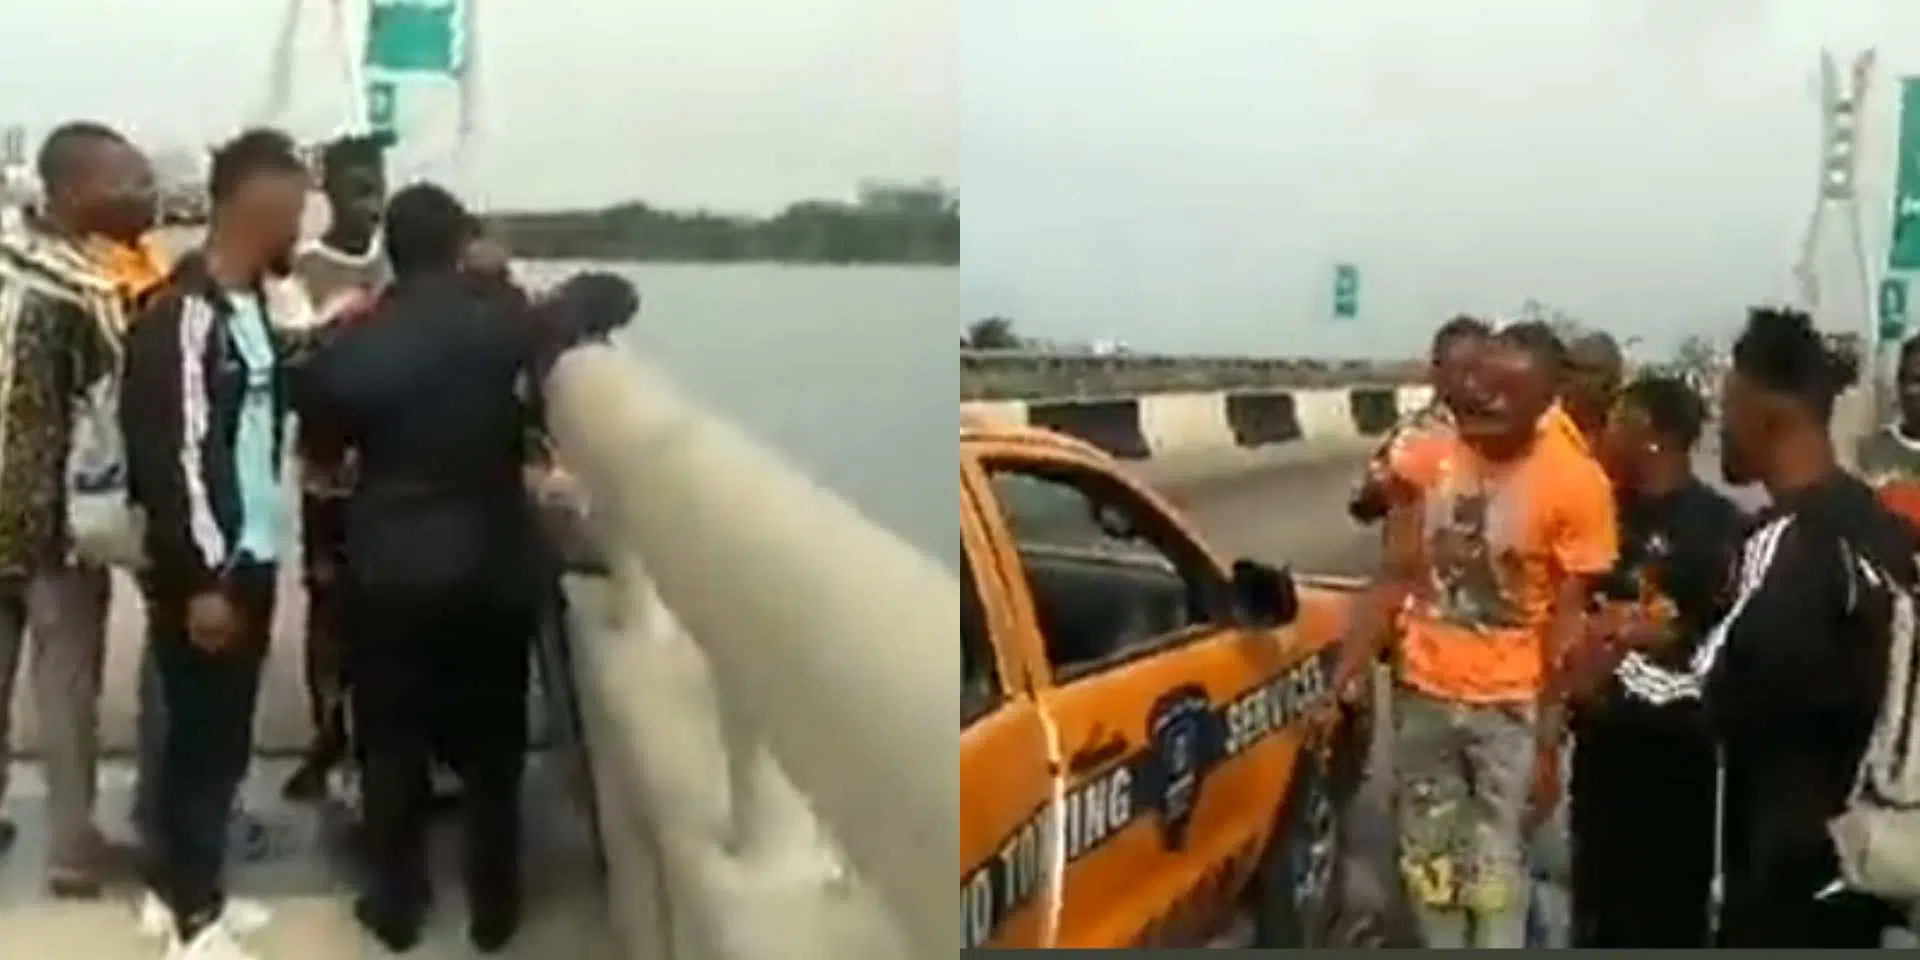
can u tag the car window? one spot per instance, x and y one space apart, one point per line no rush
979 677
1110 577
1056 511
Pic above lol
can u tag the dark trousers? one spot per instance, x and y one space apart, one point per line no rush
1778 857
208 699
440 672
1762 915
321 524
1641 821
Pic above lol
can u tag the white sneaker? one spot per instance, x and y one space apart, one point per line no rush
245 917
241 916
154 918
214 942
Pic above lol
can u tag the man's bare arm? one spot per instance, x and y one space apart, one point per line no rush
1565 632
1374 611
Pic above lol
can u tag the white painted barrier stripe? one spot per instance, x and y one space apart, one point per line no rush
1197 422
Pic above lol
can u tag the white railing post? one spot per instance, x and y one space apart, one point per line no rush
827 648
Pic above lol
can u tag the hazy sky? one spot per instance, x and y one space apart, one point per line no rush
738 104
1183 176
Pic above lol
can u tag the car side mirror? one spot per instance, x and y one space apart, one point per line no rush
1264 595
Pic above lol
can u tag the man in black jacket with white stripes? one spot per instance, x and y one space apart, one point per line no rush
203 410
1792 677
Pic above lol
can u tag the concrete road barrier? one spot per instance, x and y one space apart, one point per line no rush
1265 467
1197 425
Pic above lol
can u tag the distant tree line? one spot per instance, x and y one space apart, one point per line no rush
991 333
806 232
813 231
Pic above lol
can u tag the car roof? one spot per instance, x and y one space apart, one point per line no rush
975 432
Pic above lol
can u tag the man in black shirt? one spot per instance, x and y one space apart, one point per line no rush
1792 677
439 602
1642 794
444 569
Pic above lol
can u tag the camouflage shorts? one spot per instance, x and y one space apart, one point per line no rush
1463 773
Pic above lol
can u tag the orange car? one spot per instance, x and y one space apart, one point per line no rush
1134 759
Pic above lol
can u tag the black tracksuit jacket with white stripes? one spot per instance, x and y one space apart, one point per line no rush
180 404
1794 677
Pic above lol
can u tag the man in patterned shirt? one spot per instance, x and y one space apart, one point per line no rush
1451 358
59 318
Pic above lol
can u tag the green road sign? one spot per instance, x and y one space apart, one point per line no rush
1893 309
1904 252
1346 291
414 36
381 107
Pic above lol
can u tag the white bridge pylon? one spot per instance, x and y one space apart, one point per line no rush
338 27
1837 273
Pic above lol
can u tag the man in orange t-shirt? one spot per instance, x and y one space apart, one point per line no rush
1499 528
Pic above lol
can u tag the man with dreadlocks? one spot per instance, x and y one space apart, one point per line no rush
341 270
1795 674
1791 680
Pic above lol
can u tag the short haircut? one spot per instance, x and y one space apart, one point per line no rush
427 228
253 153
1781 352
64 150
1595 352
1673 409
366 151
1455 330
1539 341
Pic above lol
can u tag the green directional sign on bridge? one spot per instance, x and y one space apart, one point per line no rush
383 107
1893 309
1904 252
414 36
1346 291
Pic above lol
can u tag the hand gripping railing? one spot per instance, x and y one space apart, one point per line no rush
775 776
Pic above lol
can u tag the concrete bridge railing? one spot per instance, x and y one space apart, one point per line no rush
1025 375
772 771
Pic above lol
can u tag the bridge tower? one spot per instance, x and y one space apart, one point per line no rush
1836 276
339 48
415 78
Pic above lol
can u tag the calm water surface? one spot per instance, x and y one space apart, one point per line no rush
847 370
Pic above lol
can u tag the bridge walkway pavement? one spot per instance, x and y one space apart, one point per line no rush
296 867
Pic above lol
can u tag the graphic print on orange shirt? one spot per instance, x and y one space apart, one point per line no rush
1474 574
1499 540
